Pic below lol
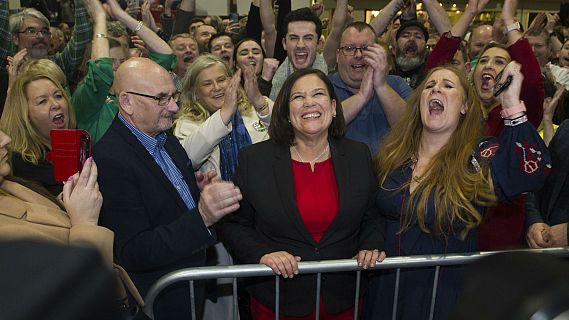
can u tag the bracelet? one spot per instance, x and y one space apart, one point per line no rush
513 110
516 121
100 35
138 27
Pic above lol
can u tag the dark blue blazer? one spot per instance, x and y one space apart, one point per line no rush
155 233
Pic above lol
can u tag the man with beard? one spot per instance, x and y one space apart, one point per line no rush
202 34
186 49
221 45
29 29
302 31
372 99
411 52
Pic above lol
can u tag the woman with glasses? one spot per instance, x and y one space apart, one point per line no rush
96 106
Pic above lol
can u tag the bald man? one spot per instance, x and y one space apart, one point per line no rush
151 197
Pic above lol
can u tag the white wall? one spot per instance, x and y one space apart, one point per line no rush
212 7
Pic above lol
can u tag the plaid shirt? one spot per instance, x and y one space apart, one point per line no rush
70 58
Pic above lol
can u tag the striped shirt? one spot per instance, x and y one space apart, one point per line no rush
155 146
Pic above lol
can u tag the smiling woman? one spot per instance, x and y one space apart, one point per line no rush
37 103
307 195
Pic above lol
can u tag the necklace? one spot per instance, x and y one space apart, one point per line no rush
414 160
313 160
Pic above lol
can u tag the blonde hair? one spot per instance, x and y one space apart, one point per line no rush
191 108
15 121
450 179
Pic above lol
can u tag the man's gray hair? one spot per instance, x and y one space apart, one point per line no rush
17 19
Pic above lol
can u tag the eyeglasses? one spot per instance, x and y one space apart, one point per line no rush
351 50
162 100
36 32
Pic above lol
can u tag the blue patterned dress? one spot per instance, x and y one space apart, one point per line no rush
519 163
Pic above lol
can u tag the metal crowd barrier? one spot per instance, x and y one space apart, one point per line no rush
319 267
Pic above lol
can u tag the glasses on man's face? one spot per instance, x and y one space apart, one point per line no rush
351 50
36 32
162 100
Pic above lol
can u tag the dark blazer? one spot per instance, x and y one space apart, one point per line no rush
155 233
551 204
269 221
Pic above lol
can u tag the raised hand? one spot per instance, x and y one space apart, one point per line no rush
231 97
270 66
510 97
147 17
251 87
476 6
15 64
376 58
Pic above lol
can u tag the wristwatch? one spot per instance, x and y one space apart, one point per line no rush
514 26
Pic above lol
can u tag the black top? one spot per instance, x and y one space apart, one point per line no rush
41 173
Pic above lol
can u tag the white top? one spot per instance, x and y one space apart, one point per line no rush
201 139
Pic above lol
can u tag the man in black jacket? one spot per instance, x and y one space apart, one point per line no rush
151 199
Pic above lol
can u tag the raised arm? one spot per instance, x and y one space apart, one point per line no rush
152 40
72 55
438 16
269 26
184 15
337 27
383 19
508 16
473 8
100 43
5 35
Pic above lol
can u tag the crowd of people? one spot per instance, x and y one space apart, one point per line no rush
284 137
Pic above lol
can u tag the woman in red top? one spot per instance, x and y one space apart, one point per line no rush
307 195
504 227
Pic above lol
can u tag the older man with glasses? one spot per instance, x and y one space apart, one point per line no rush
153 202
372 99
29 29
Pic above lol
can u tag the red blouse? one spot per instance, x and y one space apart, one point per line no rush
316 195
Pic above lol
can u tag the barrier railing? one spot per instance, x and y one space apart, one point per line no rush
319 267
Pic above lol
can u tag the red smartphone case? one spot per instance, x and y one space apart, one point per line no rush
69 150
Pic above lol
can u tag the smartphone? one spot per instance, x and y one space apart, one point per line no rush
500 87
234 17
69 150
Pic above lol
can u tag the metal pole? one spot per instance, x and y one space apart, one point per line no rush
396 294
434 297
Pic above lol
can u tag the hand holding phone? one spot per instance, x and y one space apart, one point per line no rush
501 87
69 150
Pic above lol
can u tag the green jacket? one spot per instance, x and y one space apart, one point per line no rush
94 108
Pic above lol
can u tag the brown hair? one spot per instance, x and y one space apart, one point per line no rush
450 179
280 130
